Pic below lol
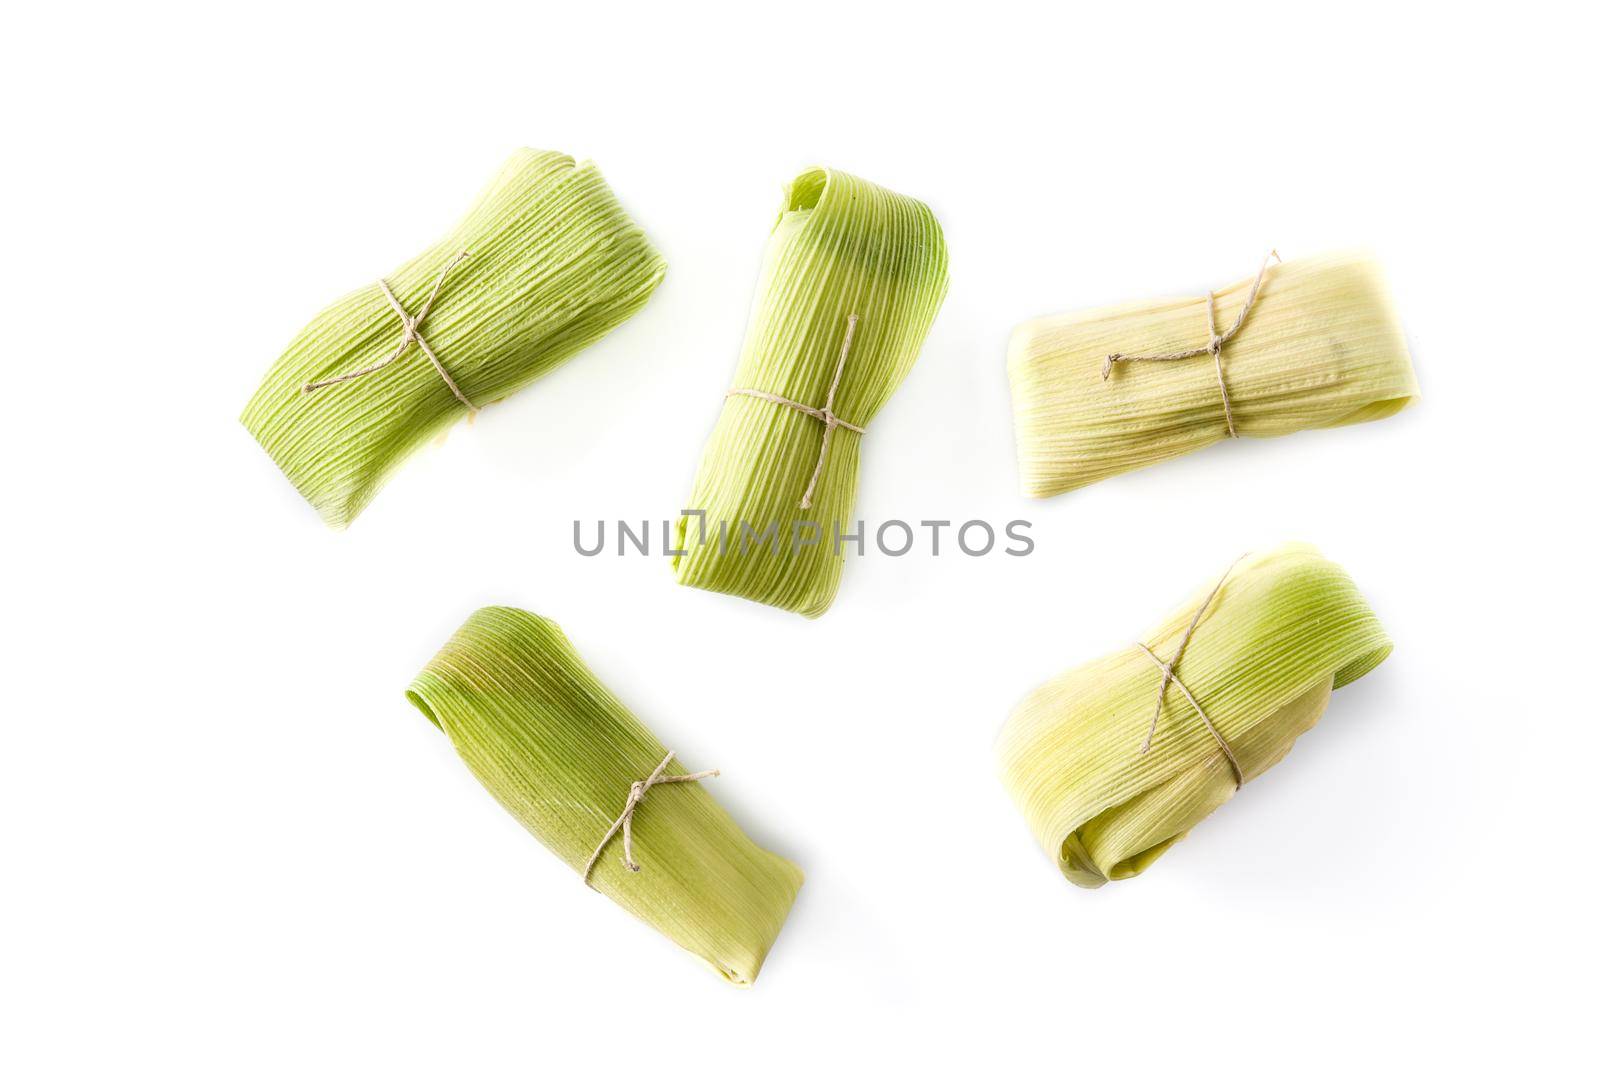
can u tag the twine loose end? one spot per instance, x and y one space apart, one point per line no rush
1213 345
409 335
624 823
1169 677
830 421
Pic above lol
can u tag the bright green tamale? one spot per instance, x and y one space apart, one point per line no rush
551 262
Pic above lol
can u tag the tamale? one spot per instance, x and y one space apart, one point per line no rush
544 263
851 281
563 756
1102 392
1111 767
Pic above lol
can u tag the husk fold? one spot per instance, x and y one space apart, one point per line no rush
1320 347
1285 629
554 263
841 246
560 752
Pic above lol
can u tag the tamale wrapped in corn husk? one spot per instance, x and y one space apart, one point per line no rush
851 281
561 754
1266 646
542 265
1320 346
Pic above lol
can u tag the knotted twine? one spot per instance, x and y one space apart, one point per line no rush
624 821
830 421
409 326
1212 347
1170 678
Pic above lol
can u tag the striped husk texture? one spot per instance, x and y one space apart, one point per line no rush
560 753
841 247
1285 628
1320 347
553 263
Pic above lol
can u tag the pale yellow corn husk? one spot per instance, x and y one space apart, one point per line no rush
1285 629
1320 347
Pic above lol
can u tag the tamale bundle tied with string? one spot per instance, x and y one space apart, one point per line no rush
544 263
852 279
1113 762
1300 345
573 765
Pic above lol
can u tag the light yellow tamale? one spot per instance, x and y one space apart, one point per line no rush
1111 769
1097 393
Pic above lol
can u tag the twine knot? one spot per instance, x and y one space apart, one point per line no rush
1212 347
830 420
636 795
410 327
1170 677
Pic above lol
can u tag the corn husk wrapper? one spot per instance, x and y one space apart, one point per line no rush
1320 347
553 263
841 246
1286 628
560 752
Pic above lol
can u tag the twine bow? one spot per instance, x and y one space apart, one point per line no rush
636 794
825 413
1212 347
1168 677
410 325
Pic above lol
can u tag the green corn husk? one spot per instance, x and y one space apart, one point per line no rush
1284 630
1320 347
841 246
560 752
553 264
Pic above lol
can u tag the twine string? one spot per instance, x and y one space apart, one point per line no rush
1212 347
1170 677
825 413
410 334
624 823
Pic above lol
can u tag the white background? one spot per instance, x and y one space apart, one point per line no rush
227 838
